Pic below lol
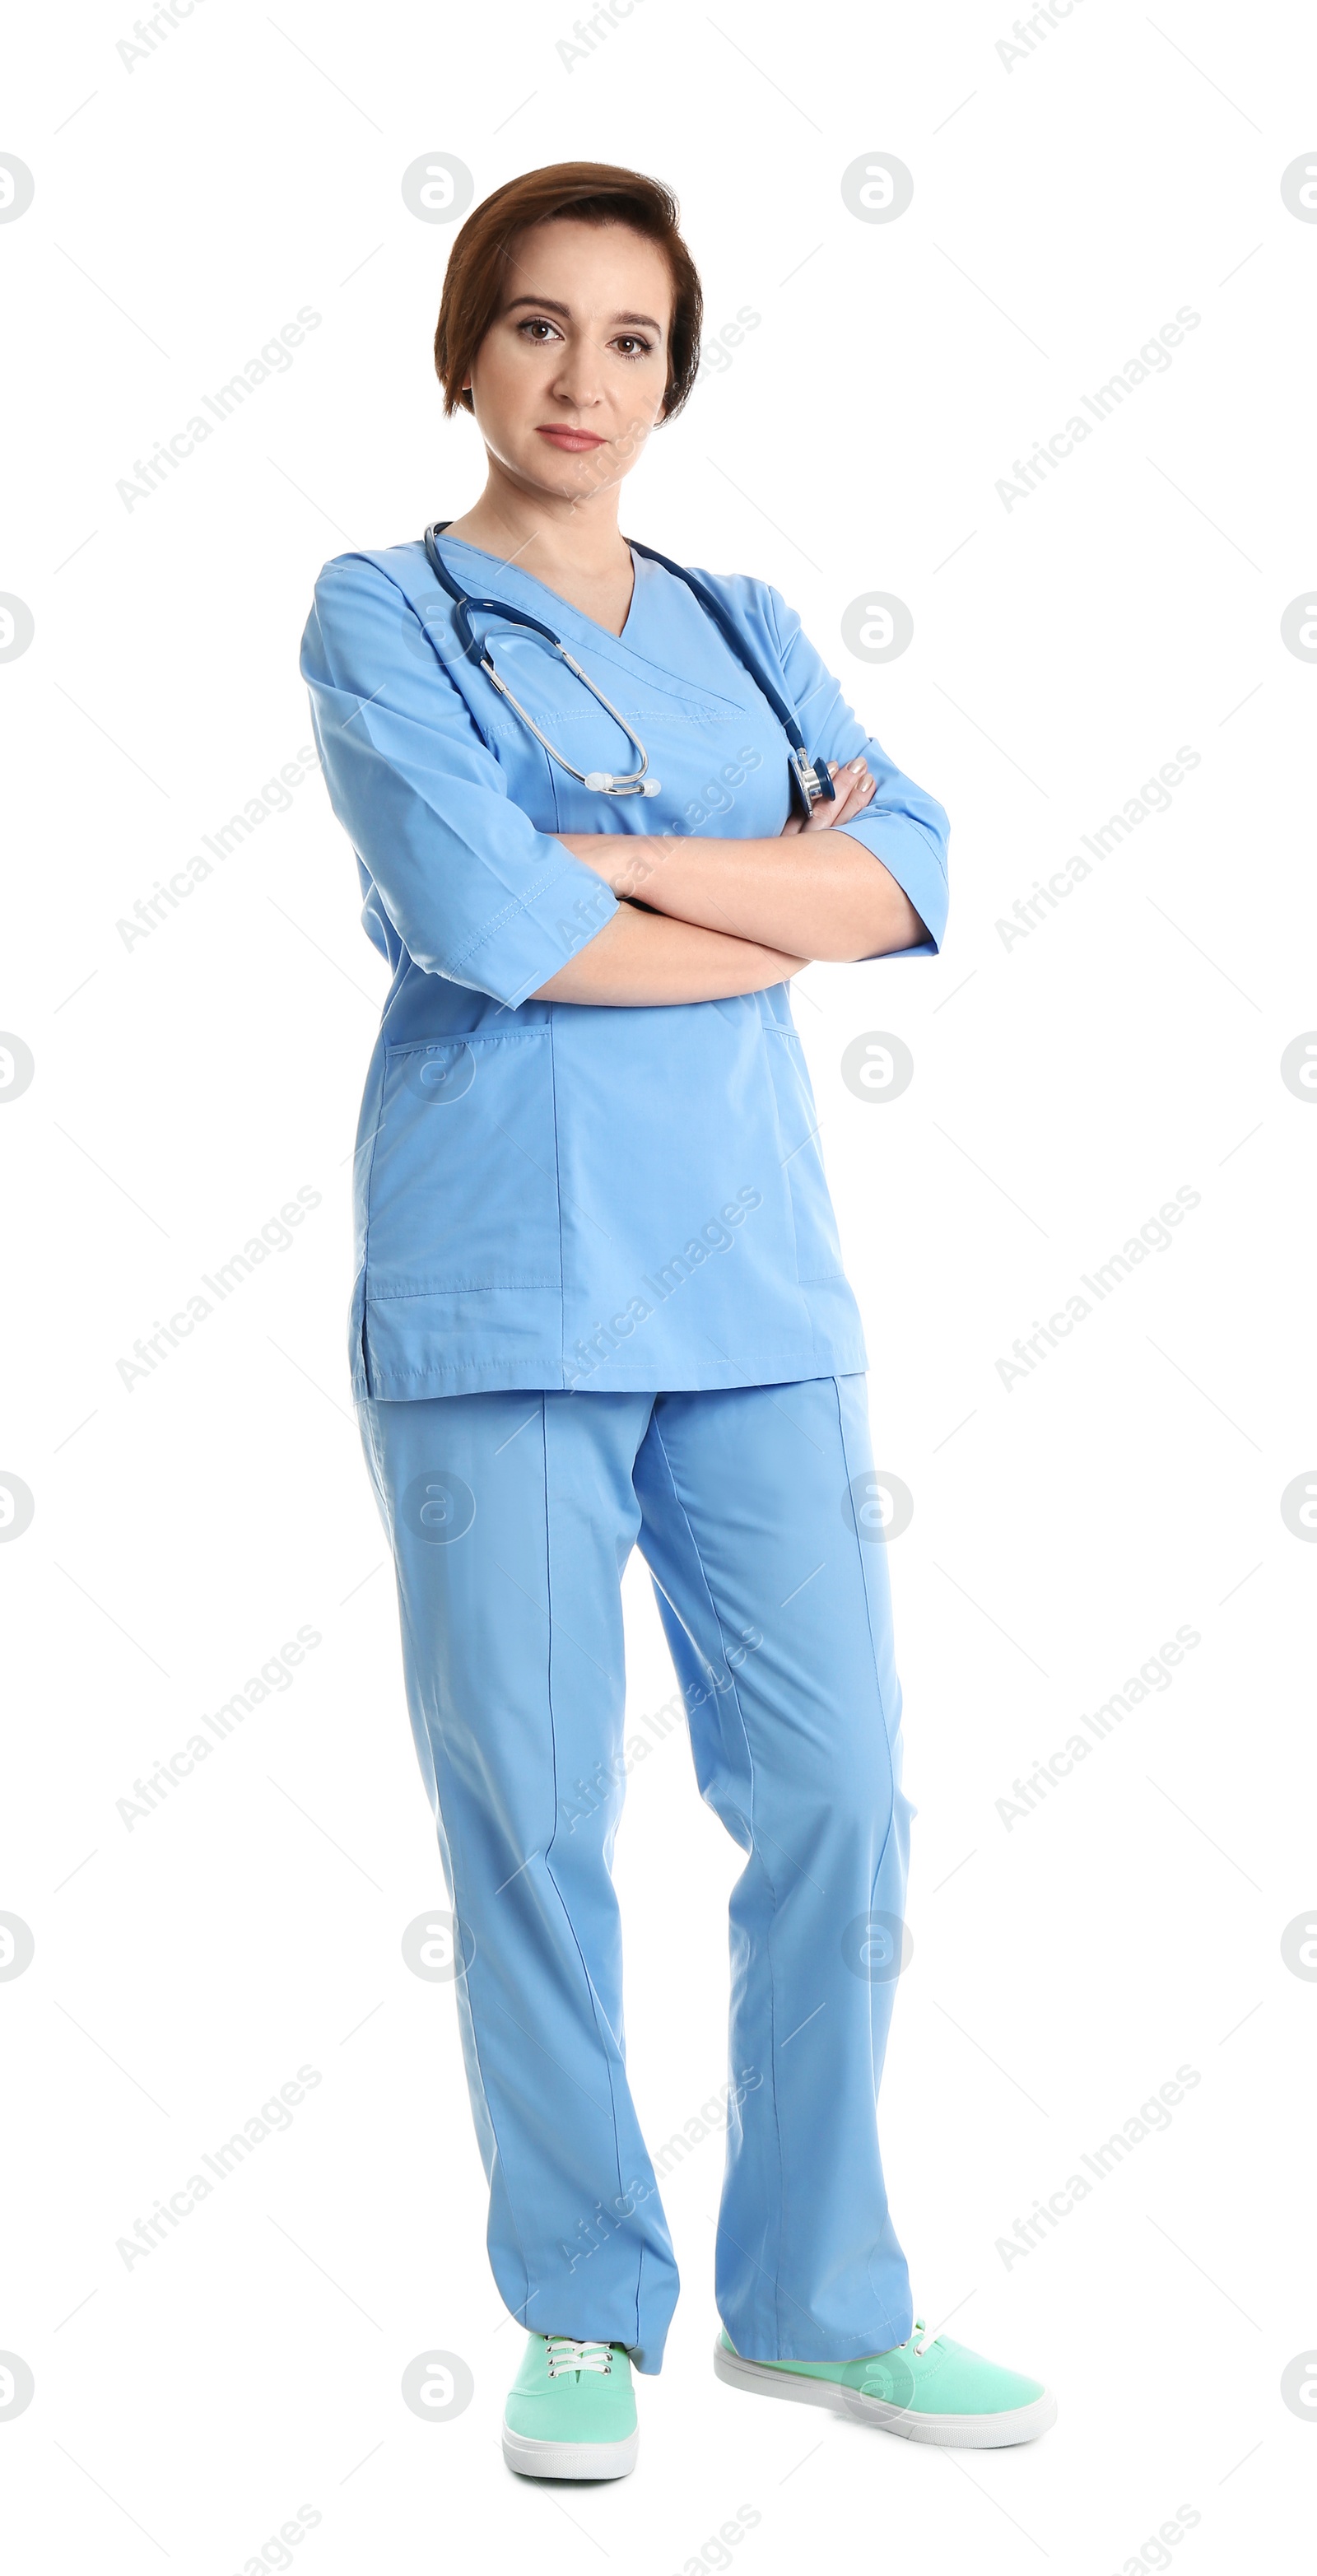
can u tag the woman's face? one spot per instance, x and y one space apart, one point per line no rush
570 377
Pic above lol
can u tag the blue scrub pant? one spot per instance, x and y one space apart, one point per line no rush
511 1517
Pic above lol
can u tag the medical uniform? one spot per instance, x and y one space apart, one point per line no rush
599 1303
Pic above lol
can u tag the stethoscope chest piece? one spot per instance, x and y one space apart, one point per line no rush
602 783
812 778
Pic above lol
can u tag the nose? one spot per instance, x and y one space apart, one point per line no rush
577 378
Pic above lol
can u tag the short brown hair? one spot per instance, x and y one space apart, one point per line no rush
592 192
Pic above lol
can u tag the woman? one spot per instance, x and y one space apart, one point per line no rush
600 1303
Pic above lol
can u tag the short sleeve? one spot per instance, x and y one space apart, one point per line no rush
903 826
475 892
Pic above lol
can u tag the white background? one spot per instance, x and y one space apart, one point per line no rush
1064 208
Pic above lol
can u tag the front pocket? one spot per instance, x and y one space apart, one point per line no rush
464 1178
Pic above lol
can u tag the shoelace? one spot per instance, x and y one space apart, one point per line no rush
917 2343
566 2353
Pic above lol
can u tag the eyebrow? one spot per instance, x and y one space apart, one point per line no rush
546 304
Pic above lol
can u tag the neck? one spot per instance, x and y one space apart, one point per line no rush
543 532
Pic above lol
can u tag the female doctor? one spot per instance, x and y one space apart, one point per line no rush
603 811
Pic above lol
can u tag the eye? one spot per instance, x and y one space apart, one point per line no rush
632 346
536 322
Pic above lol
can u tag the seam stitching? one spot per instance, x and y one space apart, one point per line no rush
548 1848
449 1841
758 1855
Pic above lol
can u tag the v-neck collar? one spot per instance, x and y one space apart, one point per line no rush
508 570
638 658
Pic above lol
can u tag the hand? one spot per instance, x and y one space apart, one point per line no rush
854 788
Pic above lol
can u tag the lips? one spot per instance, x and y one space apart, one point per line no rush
573 441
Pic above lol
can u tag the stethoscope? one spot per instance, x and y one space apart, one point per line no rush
810 778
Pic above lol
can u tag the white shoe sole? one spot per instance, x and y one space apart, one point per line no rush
532 2459
953 2432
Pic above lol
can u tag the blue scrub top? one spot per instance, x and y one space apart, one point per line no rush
556 1194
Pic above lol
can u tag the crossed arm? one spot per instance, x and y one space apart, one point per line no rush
735 916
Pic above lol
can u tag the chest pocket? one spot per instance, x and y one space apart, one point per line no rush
463 1189
818 1249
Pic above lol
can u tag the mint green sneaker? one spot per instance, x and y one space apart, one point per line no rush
571 2411
928 2390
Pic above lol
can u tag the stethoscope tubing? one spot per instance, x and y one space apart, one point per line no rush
812 777
785 714
637 783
